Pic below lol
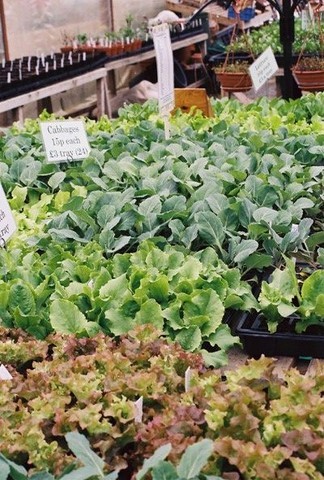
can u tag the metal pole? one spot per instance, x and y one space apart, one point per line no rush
287 36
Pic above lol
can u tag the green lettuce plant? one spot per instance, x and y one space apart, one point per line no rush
183 295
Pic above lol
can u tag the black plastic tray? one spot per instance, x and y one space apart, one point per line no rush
19 87
256 339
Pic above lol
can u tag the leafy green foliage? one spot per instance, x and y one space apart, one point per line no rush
221 183
285 295
90 385
183 295
307 40
193 460
154 235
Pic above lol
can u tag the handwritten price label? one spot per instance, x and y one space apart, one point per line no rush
65 141
7 221
263 68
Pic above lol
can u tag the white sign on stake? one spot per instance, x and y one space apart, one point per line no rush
305 19
4 374
138 410
65 141
165 71
187 379
263 68
7 221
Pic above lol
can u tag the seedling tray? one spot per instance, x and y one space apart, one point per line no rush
30 81
256 339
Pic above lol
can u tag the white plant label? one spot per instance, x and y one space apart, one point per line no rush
4 374
7 221
138 410
65 141
187 379
164 63
263 68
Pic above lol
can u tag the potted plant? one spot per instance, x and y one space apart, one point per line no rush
84 43
309 71
234 76
106 44
128 34
67 43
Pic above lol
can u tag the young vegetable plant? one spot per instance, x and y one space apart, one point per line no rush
285 296
192 462
92 465
190 466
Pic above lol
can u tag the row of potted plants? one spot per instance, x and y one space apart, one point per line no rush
127 39
233 71
308 73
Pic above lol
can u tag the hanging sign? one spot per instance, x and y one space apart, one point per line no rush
263 68
164 62
65 141
7 221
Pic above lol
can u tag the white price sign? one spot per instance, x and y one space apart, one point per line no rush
65 141
7 221
164 62
263 68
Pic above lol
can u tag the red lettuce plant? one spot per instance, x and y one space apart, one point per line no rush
263 427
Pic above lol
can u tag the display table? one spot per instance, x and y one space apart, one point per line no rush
16 103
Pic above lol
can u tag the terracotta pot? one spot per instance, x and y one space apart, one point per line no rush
234 81
66 49
119 48
311 81
128 47
85 48
102 49
137 44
